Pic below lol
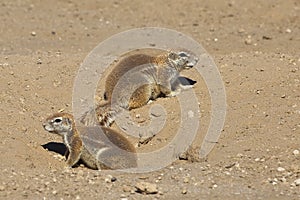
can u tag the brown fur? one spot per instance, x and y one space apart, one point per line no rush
85 142
136 78
127 63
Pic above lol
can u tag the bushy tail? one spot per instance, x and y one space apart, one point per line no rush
104 115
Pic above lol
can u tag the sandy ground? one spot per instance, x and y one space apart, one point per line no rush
256 47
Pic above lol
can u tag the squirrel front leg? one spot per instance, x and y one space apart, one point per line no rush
74 152
170 88
170 93
176 86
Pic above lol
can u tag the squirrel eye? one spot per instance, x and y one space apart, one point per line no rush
172 56
57 120
183 54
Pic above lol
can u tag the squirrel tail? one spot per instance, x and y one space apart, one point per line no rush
104 115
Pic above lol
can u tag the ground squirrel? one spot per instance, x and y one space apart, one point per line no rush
137 78
110 150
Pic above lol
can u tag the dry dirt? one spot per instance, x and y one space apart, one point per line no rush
256 47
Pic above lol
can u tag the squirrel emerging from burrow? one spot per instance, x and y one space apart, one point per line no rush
97 149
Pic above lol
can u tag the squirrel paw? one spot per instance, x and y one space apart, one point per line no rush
186 87
173 93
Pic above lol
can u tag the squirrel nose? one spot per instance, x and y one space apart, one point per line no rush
192 63
44 125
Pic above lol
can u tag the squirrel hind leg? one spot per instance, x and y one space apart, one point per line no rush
166 90
173 93
140 97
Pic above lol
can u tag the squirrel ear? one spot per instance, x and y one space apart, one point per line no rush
172 55
69 121
183 54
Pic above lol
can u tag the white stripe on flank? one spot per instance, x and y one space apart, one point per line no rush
101 151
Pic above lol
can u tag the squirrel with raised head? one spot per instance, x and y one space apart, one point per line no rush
97 149
137 78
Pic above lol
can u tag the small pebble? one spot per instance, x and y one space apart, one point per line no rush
143 177
127 188
146 188
297 182
39 61
33 33
288 30
248 40
184 191
283 179
266 37
186 180
110 178
296 152
241 30
113 179
280 169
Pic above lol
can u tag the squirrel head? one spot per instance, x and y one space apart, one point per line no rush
182 60
60 123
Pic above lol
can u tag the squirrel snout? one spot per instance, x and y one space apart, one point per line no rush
192 62
47 127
